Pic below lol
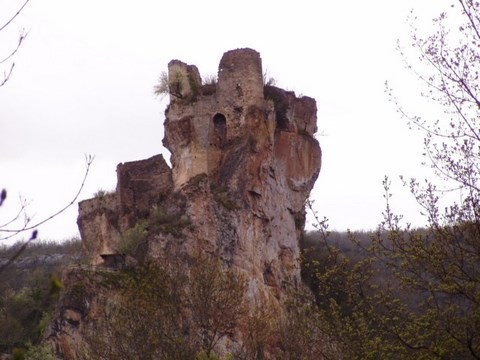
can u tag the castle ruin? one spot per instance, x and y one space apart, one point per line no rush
244 160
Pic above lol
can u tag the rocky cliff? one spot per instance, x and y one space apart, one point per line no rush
244 159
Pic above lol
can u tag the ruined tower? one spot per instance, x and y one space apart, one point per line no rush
244 160
256 142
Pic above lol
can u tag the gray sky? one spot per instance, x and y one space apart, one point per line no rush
83 84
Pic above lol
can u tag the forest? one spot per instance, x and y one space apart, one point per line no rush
367 302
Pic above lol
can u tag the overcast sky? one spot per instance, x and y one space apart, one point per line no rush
83 84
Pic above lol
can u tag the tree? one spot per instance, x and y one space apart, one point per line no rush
444 262
21 222
10 228
416 293
29 291
449 67
144 320
217 301
165 309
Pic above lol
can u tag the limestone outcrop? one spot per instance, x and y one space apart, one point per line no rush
244 160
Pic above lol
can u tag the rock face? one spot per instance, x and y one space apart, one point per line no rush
244 160
141 185
256 143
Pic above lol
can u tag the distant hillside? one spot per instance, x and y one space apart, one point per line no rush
29 289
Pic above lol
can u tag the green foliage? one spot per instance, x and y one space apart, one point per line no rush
18 354
100 193
145 319
173 85
437 271
169 223
39 352
209 85
56 285
268 80
210 79
194 88
401 295
76 295
280 103
203 355
29 290
217 301
221 195
162 312
38 248
165 87
133 239
258 327
45 320
301 330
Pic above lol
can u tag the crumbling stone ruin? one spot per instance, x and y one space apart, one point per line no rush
244 160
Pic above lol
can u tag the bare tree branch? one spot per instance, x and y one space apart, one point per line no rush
14 16
19 251
27 226
6 75
21 38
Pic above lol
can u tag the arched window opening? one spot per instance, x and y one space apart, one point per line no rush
219 134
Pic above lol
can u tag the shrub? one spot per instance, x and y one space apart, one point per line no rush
173 85
160 220
163 87
220 195
216 299
101 193
133 239
39 352
203 355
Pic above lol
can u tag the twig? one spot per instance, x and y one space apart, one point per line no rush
89 159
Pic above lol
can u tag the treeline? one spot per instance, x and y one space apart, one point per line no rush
397 293
38 248
29 290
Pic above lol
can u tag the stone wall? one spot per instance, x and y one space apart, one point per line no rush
240 78
141 185
101 220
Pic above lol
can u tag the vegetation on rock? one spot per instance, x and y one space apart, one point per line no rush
29 290
161 312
